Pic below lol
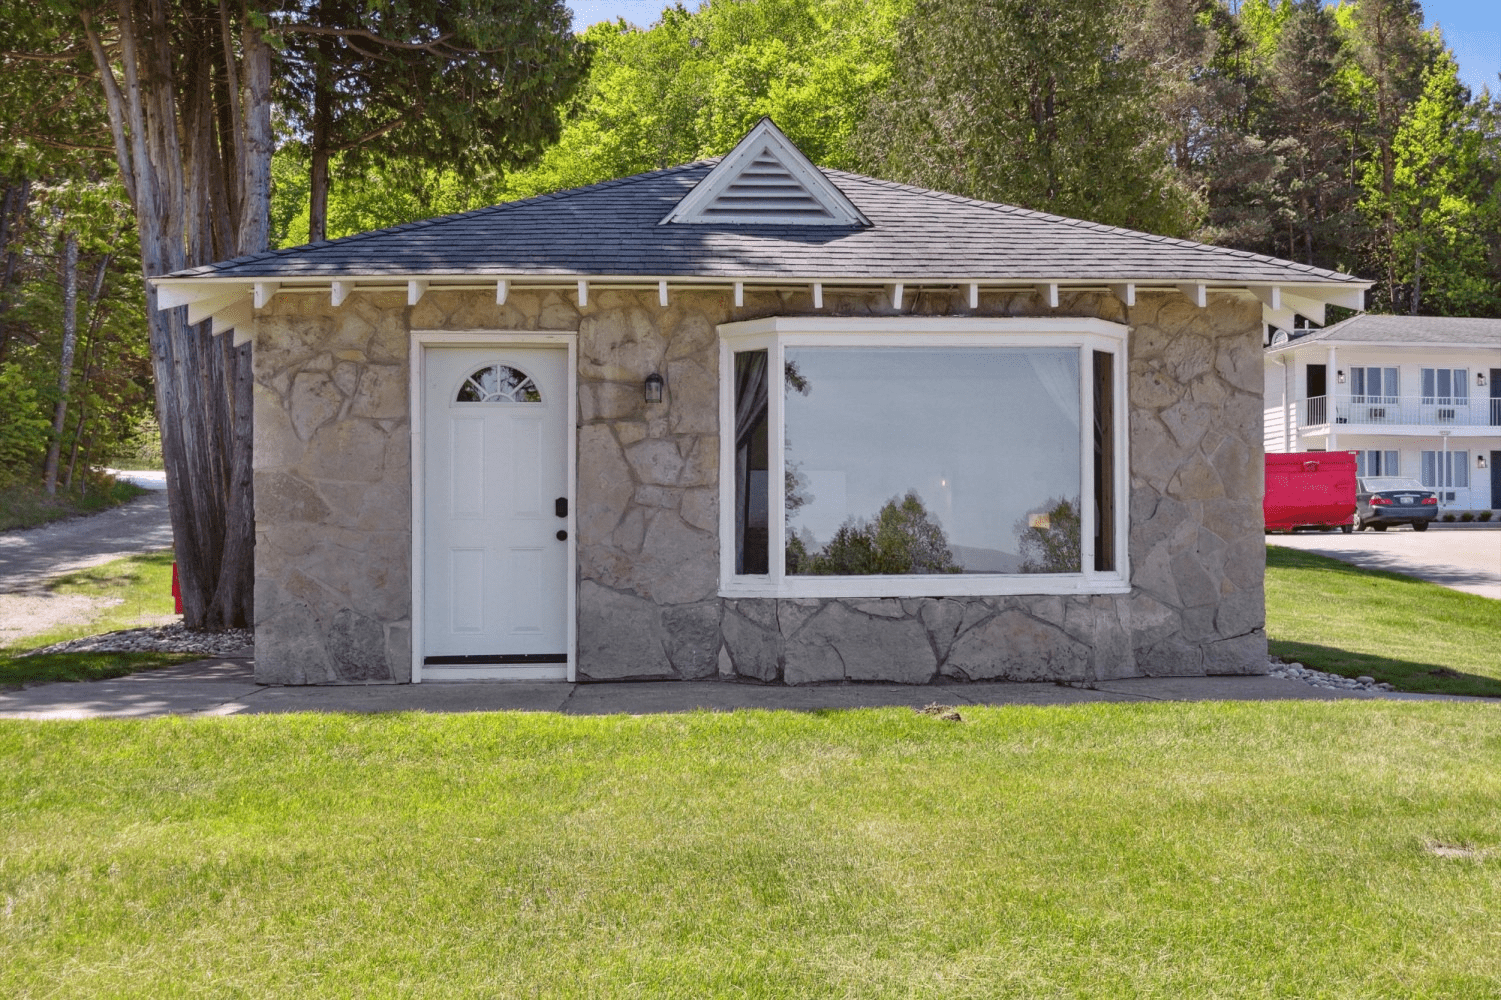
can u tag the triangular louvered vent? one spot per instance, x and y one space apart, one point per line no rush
765 187
766 180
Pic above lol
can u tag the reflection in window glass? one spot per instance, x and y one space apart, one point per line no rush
751 494
499 384
932 460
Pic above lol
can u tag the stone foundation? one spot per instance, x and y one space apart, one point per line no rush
333 502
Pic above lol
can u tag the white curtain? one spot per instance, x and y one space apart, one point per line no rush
1058 374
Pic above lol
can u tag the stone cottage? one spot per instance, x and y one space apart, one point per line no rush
753 419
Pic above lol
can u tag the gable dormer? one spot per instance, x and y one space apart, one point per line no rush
766 180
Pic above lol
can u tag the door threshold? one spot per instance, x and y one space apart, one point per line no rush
497 672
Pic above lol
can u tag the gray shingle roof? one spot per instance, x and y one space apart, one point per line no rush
1368 329
612 229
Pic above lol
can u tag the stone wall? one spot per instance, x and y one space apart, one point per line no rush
333 573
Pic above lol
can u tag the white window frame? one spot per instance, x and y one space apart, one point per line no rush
775 334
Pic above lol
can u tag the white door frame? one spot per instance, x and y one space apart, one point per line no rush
423 339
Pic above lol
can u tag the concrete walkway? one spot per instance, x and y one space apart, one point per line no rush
1467 559
225 687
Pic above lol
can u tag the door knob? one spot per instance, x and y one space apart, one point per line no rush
562 536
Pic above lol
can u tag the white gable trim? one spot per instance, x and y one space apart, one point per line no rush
766 180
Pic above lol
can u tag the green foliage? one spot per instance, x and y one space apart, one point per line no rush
1030 104
1049 538
25 430
27 505
694 83
903 539
1435 249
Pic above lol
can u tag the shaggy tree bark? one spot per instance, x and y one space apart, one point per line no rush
187 86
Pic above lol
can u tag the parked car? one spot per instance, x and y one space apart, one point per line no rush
1381 501
1310 489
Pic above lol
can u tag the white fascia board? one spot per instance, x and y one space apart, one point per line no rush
1270 296
174 292
201 309
1312 308
1282 319
1197 292
233 317
898 325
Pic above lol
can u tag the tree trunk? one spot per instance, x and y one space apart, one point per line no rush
12 212
319 141
96 292
203 383
65 373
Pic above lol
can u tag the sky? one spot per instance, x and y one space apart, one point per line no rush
1471 27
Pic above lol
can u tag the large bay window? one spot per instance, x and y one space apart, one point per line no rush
923 457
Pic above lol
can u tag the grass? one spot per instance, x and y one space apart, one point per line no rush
28 505
1204 850
143 584
1343 619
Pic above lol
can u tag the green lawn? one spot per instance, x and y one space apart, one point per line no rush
1333 616
144 586
1163 850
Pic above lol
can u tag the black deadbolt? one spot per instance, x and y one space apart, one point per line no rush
560 506
562 536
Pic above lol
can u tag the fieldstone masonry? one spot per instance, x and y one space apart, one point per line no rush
333 574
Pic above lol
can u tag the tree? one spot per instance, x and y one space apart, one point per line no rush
418 84
693 84
1391 54
903 539
1434 204
1031 103
1050 538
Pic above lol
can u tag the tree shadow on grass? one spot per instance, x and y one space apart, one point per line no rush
1405 675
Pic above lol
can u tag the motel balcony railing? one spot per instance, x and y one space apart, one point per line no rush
1420 411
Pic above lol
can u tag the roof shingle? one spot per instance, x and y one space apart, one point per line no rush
612 228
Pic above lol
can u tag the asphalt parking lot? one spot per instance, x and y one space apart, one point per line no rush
1467 558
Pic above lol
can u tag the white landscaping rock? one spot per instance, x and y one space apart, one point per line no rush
175 638
1317 678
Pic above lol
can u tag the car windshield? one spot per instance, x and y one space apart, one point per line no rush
1384 483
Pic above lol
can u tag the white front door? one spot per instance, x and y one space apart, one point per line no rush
495 512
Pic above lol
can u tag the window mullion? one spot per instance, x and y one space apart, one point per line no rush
776 478
1086 459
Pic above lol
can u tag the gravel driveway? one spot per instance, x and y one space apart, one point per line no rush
29 557
1467 559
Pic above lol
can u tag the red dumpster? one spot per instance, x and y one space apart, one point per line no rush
1310 489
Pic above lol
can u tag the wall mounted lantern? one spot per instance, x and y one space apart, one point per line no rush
1480 462
1480 378
653 387
1339 376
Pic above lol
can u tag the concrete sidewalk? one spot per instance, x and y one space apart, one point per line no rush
225 687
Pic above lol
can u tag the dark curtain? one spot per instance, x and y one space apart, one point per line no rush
750 411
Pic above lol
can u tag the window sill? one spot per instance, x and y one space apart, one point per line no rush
968 585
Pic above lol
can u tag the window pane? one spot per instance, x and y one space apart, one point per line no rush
1357 381
1461 477
1391 384
1462 385
932 460
751 486
1443 383
1390 466
1428 385
1430 469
